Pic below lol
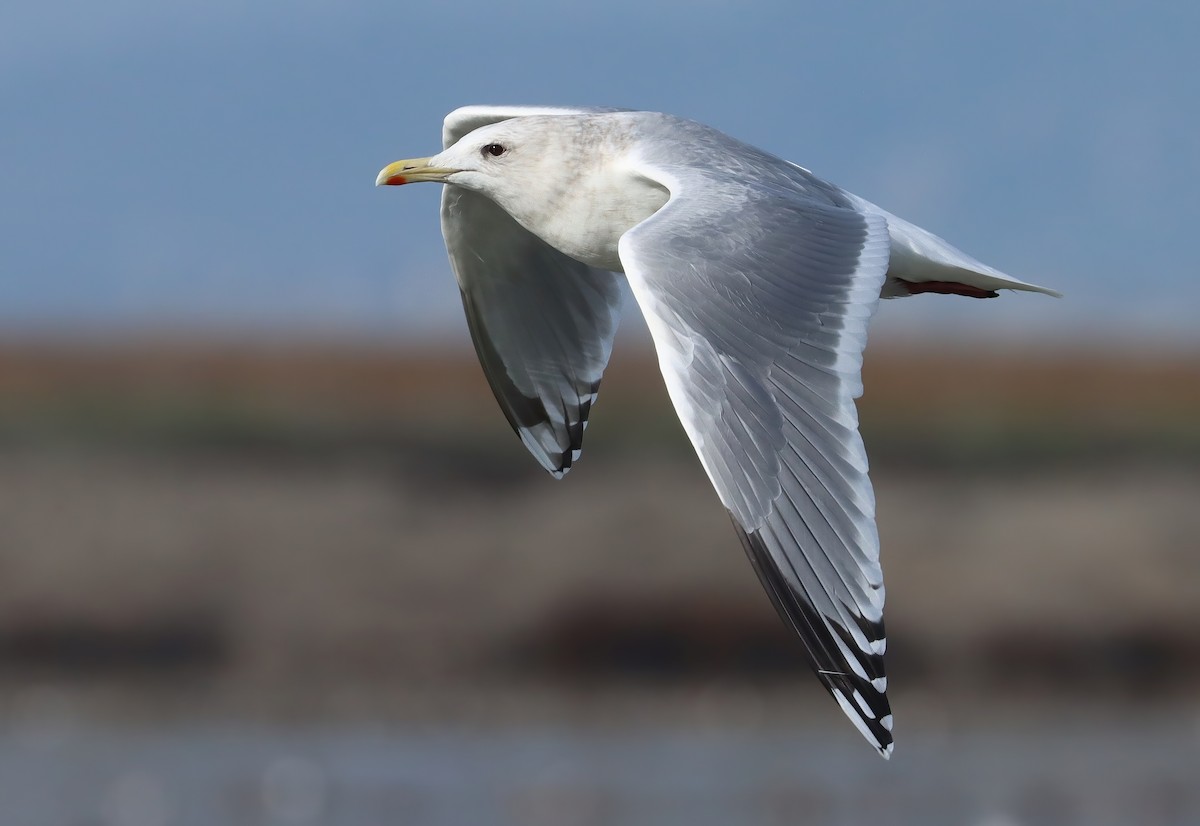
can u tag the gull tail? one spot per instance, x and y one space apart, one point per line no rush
918 257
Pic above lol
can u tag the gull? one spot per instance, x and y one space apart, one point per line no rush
757 280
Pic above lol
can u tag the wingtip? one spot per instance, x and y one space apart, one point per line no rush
554 461
877 732
852 672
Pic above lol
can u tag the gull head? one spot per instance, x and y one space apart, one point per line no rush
497 159
565 178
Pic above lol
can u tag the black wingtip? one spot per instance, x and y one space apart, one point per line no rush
863 700
532 429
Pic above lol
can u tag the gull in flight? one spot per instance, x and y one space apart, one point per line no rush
757 280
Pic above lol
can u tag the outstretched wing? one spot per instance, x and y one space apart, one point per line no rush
542 322
758 299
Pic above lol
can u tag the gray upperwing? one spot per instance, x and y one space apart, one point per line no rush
758 300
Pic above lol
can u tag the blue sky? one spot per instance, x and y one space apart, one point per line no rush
209 165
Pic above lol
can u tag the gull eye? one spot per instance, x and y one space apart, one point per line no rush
493 149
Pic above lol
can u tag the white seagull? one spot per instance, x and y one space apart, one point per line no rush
757 280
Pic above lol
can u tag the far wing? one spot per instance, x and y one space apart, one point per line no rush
758 301
542 322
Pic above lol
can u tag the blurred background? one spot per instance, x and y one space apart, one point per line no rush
270 554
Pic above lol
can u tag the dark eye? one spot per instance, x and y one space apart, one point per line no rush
493 149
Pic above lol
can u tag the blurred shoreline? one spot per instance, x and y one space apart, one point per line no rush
256 517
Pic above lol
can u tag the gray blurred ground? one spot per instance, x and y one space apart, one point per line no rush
318 557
